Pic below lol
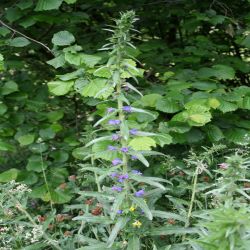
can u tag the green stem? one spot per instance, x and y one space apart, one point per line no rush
196 173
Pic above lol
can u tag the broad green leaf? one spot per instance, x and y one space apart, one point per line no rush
27 139
9 87
143 205
204 85
56 115
168 105
1 62
246 102
142 143
3 108
223 72
9 175
104 138
60 87
57 62
35 163
149 100
24 4
213 103
119 225
5 146
47 133
214 133
227 106
238 136
63 38
100 150
90 60
19 42
70 76
91 89
48 5
57 197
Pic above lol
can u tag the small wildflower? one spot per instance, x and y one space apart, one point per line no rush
124 149
127 109
137 223
171 221
112 148
122 177
110 110
139 193
223 165
137 172
119 211
132 209
116 162
116 137
134 157
113 175
133 131
117 188
114 122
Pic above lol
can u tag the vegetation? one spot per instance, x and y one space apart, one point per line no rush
139 142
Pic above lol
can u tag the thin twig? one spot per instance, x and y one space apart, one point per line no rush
29 38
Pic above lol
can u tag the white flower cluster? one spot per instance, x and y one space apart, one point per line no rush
19 188
34 235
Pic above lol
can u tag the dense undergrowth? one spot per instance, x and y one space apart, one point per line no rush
139 143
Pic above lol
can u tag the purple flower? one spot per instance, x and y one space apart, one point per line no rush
133 131
112 148
110 110
122 177
136 172
113 175
116 161
116 137
223 165
127 109
119 211
114 122
134 157
124 149
117 188
139 193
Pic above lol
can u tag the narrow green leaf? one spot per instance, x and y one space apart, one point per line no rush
143 205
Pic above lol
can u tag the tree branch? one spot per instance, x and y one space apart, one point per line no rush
27 37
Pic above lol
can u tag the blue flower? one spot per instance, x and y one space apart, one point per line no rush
112 148
114 122
116 162
117 188
119 211
125 149
127 109
137 172
134 157
133 131
122 177
113 175
116 137
110 110
139 193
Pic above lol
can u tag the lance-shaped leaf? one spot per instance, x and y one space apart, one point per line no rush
148 180
104 138
93 219
116 205
140 157
105 118
95 194
142 111
120 224
168 215
125 130
143 205
134 243
133 88
168 230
